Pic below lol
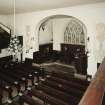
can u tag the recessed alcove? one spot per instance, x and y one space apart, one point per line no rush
63 38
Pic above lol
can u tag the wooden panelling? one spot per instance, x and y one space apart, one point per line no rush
75 54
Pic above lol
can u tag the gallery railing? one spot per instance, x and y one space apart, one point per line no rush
5 28
95 92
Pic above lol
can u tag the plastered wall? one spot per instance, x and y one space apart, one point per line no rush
91 15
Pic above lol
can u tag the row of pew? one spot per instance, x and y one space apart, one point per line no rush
33 85
55 91
16 77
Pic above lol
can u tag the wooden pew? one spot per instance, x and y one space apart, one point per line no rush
14 75
9 80
33 69
68 77
68 83
24 74
24 71
46 98
22 82
5 88
27 99
13 103
29 70
30 67
58 94
64 88
34 72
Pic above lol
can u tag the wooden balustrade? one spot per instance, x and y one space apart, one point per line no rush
95 92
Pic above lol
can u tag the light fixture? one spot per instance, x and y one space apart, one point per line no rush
14 47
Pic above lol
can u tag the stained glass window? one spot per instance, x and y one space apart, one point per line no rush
74 33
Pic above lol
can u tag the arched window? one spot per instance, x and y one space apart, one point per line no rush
74 33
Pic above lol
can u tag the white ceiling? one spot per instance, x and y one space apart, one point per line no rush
6 6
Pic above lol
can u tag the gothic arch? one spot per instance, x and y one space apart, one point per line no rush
75 32
73 20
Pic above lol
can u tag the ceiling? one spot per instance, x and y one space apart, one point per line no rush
6 6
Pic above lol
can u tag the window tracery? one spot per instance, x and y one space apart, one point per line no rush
74 33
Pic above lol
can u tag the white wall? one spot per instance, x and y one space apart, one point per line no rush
54 30
59 26
3 19
90 15
46 35
7 20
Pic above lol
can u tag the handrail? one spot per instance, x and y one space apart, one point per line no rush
95 92
5 27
